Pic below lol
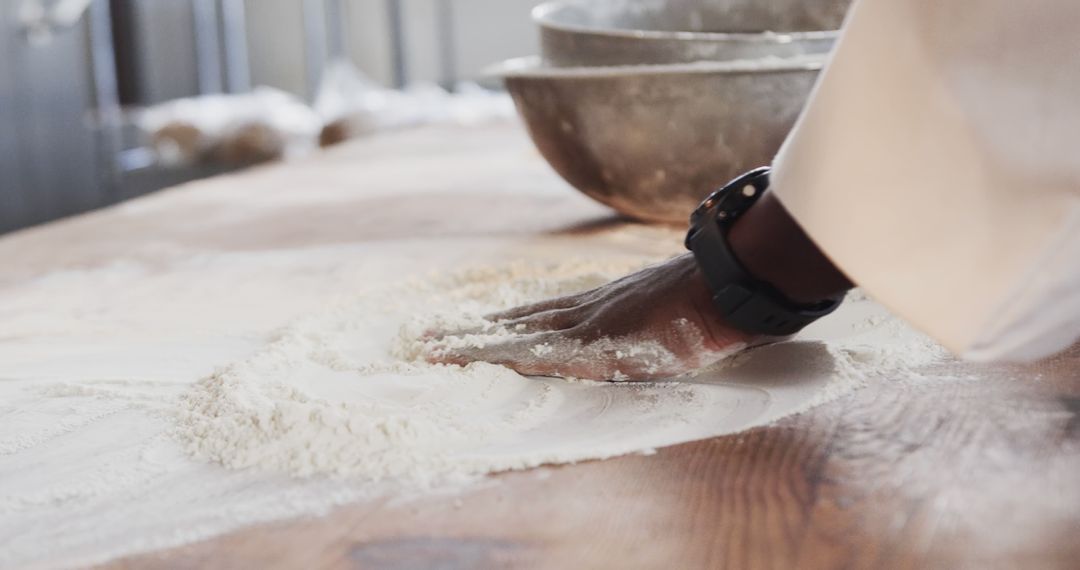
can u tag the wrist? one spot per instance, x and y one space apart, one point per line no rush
718 331
773 248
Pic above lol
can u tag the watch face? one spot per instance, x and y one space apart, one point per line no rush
742 193
727 203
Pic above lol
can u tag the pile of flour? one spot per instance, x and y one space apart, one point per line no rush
298 371
346 392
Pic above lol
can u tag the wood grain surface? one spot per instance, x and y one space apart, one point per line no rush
981 474
978 471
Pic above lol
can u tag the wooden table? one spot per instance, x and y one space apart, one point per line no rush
971 473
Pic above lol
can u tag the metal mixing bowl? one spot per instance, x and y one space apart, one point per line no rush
635 32
653 141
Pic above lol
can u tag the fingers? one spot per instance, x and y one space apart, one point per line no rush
434 335
546 321
558 353
531 319
535 308
539 354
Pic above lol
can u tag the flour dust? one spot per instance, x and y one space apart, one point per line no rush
118 436
347 393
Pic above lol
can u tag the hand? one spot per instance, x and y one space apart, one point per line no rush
657 323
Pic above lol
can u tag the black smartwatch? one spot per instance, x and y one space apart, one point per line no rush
746 303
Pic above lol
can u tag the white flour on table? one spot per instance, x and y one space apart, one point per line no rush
129 424
332 395
346 393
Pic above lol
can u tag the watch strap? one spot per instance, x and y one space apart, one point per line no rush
744 302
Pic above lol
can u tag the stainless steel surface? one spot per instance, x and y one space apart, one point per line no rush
208 47
653 141
448 72
157 45
49 161
106 96
336 22
235 44
39 20
325 39
632 32
398 53
221 46
316 51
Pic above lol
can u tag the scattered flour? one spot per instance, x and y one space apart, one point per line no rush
337 406
542 349
338 394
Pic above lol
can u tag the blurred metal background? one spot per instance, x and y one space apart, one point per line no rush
68 69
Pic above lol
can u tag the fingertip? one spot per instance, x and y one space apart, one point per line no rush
444 360
497 317
448 356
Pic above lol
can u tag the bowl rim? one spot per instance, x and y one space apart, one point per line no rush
541 15
534 67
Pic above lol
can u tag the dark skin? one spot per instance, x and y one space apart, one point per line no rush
668 305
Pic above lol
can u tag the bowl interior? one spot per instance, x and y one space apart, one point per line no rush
695 16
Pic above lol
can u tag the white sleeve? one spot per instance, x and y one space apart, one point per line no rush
938 165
